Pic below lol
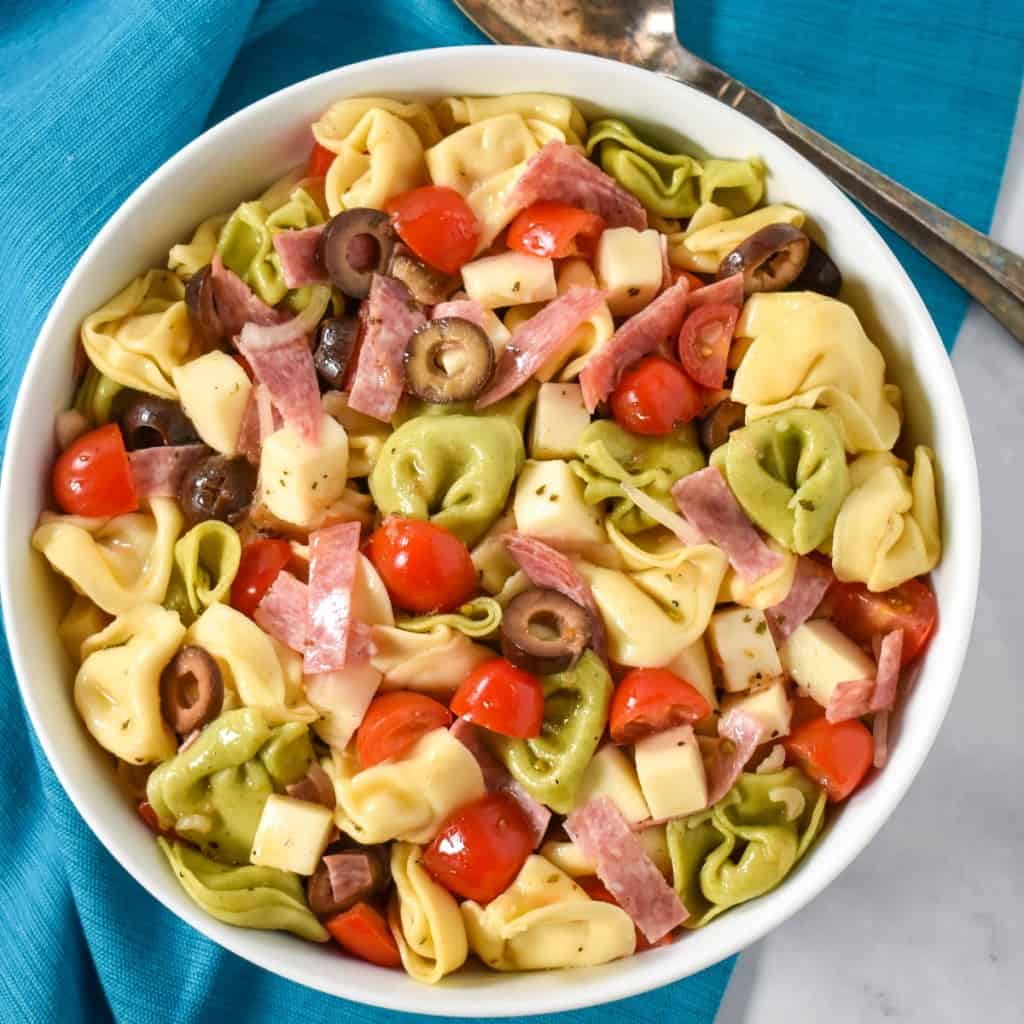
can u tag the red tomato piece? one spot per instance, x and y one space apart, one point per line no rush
654 396
597 890
260 565
650 700
480 848
704 342
836 755
320 160
396 722
864 616
93 477
425 567
503 698
550 229
437 224
362 931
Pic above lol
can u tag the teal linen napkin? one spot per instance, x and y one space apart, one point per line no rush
95 95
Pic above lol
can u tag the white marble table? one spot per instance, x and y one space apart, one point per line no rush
928 923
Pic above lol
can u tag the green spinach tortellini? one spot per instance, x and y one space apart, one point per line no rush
246 896
609 456
213 791
477 618
746 844
207 559
455 470
789 473
673 184
95 396
551 767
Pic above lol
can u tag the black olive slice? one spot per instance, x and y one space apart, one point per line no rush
345 877
448 360
355 245
191 690
335 342
428 285
820 274
217 488
769 260
719 422
202 308
542 631
151 422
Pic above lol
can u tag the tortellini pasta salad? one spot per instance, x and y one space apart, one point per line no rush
492 542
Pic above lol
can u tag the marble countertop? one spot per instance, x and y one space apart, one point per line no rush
926 925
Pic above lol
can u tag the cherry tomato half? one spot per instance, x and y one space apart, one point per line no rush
362 931
396 722
704 342
550 229
503 698
93 477
261 563
650 700
481 848
437 224
597 890
863 616
654 396
836 755
320 160
425 567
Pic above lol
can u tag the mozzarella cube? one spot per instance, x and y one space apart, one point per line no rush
559 417
691 664
819 657
671 773
549 505
510 279
292 834
299 481
742 646
611 774
214 392
770 705
629 268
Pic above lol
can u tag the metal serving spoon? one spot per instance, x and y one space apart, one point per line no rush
644 33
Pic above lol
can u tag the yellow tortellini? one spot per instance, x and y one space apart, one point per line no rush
188 258
207 558
81 621
246 896
406 799
424 919
337 122
117 563
117 688
888 528
558 112
366 435
768 590
809 350
544 920
434 662
142 334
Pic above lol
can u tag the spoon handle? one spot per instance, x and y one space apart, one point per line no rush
992 274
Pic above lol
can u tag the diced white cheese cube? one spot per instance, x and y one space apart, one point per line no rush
214 391
292 834
629 268
671 773
510 279
549 505
742 646
691 664
559 417
298 481
611 774
770 705
819 657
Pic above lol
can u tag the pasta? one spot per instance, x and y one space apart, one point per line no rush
81 621
810 351
434 662
188 259
713 233
478 618
768 590
335 125
366 436
887 530
96 395
207 558
424 919
117 563
557 111
545 920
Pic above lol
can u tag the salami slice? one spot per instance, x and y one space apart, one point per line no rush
283 611
810 584
158 472
297 252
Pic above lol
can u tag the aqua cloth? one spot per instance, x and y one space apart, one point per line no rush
98 93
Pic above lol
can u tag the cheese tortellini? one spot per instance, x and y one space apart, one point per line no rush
770 589
556 111
713 232
117 688
189 258
117 563
406 799
336 123
434 662
888 528
207 559
424 919
544 920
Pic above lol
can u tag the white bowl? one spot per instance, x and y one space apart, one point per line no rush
233 161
